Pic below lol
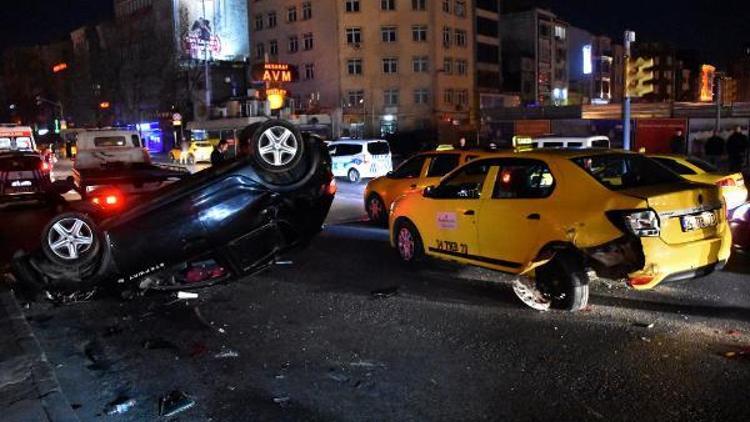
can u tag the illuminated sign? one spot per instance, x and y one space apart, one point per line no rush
275 98
104 105
59 67
274 73
213 29
587 64
708 73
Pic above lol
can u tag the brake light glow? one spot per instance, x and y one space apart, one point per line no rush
45 167
726 182
331 189
110 200
640 281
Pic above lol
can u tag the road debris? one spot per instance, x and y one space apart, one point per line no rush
226 353
284 262
647 325
187 295
740 353
174 403
385 293
119 406
281 400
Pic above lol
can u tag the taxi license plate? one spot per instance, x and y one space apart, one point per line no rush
699 221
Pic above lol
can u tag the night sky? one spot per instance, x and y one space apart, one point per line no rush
716 28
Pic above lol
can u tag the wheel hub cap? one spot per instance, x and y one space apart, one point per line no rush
531 296
375 208
406 244
278 146
70 237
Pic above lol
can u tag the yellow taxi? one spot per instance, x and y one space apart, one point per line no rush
563 216
732 185
417 172
199 151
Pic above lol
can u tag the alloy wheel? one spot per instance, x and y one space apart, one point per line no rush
406 244
277 146
69 238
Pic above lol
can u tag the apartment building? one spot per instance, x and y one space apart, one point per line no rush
596 68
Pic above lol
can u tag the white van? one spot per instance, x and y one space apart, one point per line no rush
358 158
99 147
16 138
572 142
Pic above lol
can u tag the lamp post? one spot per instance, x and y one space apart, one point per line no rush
629 38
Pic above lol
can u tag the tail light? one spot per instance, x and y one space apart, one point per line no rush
642 223
45 167
726 182
108 200
640 281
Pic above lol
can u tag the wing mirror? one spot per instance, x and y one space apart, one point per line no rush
429 191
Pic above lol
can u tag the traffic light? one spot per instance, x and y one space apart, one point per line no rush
639 77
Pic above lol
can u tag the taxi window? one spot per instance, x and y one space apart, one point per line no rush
443 164
523 179
465 183
624 171
410 169
343 150
674 166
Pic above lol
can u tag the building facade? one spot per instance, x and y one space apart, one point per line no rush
489 75
535 56
596 68
379 67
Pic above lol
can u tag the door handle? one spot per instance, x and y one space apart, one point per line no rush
469 212
534 216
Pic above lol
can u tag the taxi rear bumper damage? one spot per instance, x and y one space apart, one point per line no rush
617 259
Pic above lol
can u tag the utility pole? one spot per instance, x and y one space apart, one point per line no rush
206 69
719 94
629 38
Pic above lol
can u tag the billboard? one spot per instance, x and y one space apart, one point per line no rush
213 29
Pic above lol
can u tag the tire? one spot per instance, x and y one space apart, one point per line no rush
376 210
278 152
564 282
82 245
353 176
408 242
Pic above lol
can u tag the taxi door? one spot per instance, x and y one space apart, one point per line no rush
515 212
449 217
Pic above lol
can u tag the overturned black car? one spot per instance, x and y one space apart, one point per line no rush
243 214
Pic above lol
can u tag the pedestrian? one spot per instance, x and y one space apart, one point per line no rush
184 150
462 144
68 149
737 146
677 144
714 148
218 156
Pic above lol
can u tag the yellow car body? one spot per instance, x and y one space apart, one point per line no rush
513 212
418 172
732 185
199 151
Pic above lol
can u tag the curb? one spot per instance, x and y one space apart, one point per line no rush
52 400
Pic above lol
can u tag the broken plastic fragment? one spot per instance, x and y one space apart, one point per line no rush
119 406
187 295
174 403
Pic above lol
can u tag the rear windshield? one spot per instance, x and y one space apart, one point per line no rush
110 141
707 167
625 171
19 163
18 143
378 148
674 166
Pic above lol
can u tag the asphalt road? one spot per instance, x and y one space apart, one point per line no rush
309 340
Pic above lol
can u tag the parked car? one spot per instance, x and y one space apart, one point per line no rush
418 172
198 152
24 178
732 185
571 142
243 213
553 214
15 138
357 159
739 223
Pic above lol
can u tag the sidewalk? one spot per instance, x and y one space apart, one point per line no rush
29 390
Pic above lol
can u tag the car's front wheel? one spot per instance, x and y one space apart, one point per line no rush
408 242
376 210
278 150
353 176
563 282
71 240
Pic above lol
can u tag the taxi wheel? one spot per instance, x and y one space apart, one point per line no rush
564 282
376 210
408 242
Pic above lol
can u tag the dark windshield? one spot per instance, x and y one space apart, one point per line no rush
625 171
378 148
19 162
707 167
674 166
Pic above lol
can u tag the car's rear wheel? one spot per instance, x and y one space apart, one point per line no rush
376 210
564 282
71 240
408 242
277 149
353 176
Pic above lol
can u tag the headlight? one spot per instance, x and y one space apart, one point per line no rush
642 223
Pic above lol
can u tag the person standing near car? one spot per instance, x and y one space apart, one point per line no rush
218 156
677 144
714 148
184 150
737 145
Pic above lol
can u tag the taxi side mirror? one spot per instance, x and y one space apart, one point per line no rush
429 192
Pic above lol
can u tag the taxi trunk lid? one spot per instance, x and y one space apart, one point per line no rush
684 209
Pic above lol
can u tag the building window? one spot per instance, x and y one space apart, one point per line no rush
447 6
272 20
460 8
418 4
419 33
273 48
355 98
306 11
419 64
388 33
460 38
260 50
309 71
307 41
462 97
462 67
291 14
353 35
352 6
560 32
293 44
421 96
390 65
258 22
354 66
446 37
390 97
448 96
387 4
448 66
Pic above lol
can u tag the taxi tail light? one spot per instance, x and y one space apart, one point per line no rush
640 281
642 223
726 182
